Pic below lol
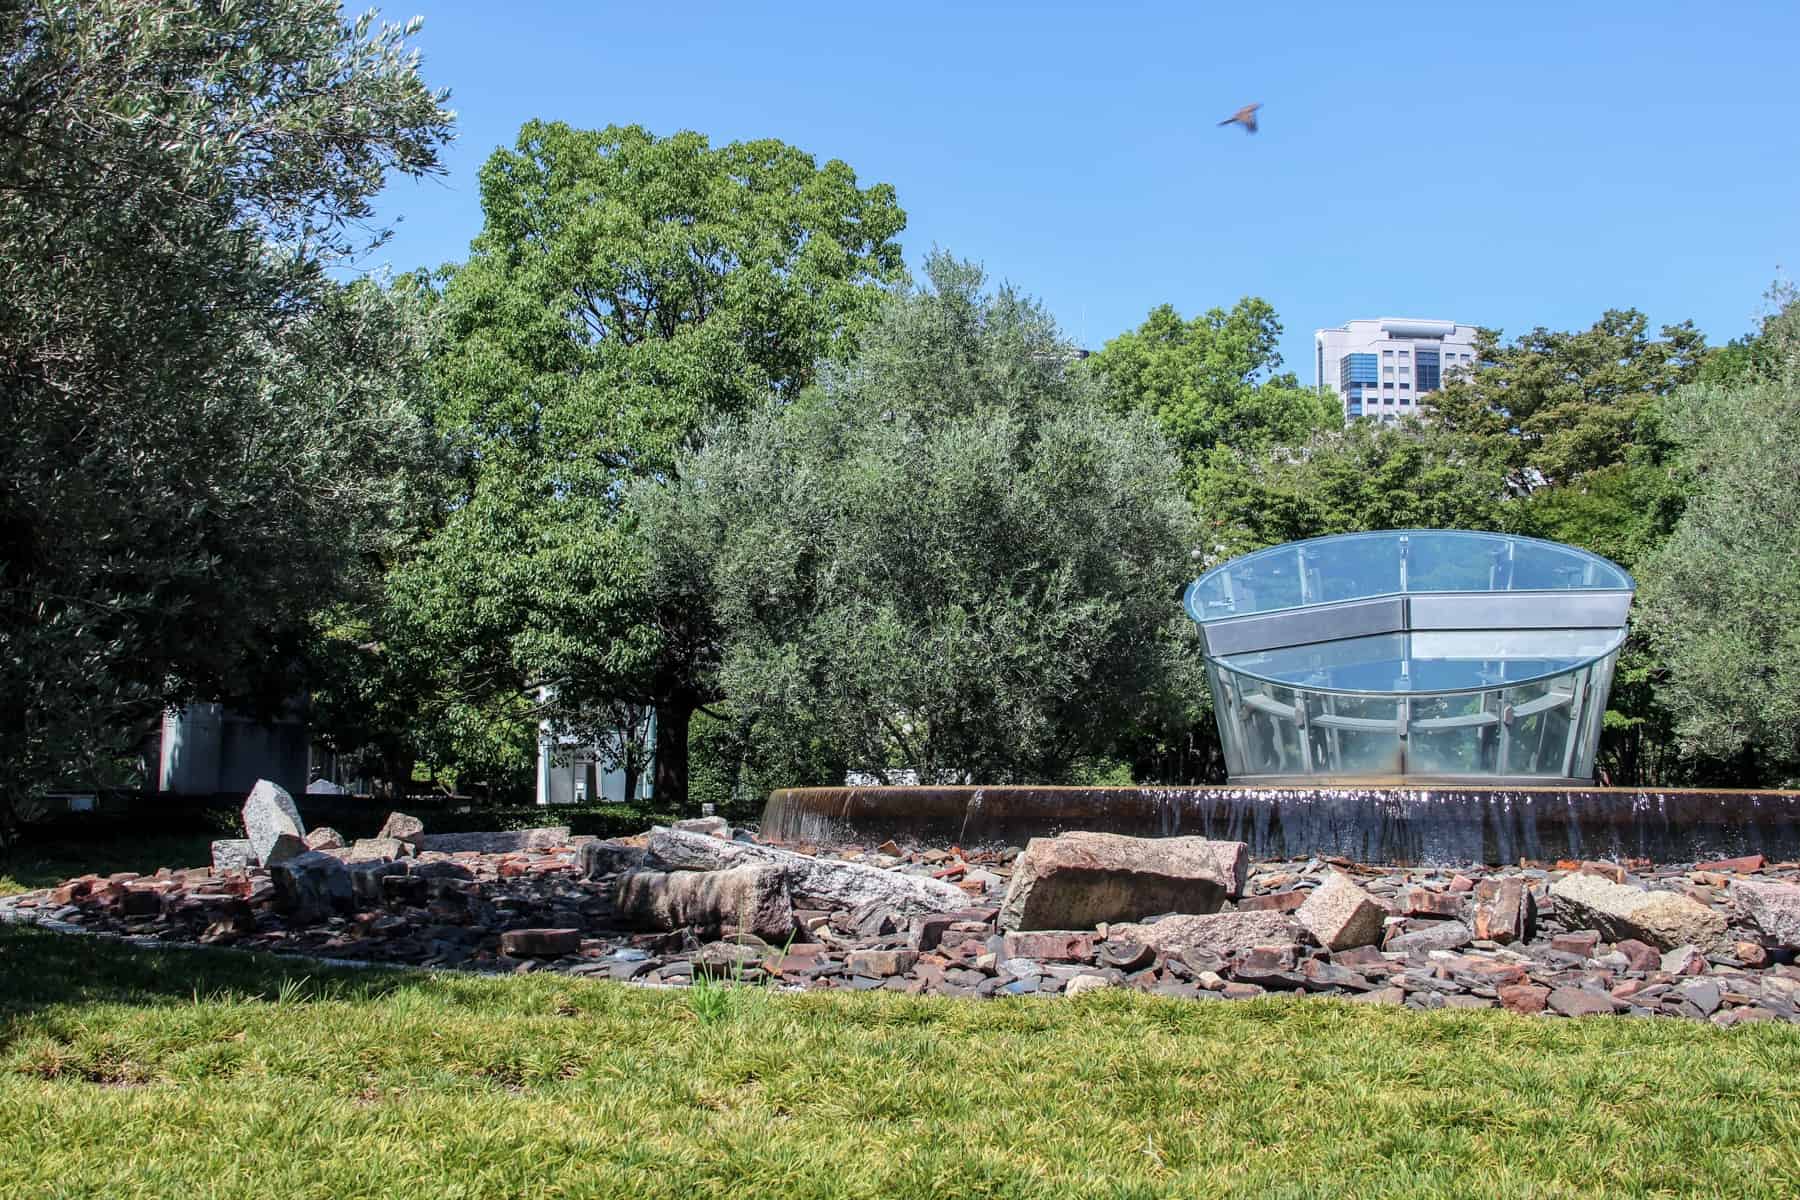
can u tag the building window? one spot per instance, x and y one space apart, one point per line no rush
1356 368
1405 386
1428 370
1406 372
1403 353
1387 354
1387 387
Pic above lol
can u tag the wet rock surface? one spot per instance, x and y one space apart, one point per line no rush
1550 940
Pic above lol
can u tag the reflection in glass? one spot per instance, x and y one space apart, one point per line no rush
1315 676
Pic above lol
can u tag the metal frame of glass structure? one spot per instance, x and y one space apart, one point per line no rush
1412 655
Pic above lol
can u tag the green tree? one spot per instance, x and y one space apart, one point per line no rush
1567 403
1212 381
974 577
1772 352
1366 475
1721 598
624 291
201 436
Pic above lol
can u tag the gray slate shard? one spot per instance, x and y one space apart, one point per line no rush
233 854
599 859
494 843
1439 935
285 846
366 877
312 886
268 813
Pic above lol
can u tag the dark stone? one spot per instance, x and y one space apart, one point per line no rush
1579 1002
881 963
1703 994
597 860
1321 976
440 869
506 842
1505 911
1439 935
540 943
140 902
1273 902
1421 902
1125 954
874 919
1051 946
1581 941
1524 998
1360 956
1639 956
312 886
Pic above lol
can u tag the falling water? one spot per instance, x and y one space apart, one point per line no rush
1371 824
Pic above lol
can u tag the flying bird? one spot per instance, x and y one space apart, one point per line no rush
1245 116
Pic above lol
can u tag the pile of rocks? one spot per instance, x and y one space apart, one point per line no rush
1082 912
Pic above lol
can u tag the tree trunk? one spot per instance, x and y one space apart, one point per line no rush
671 783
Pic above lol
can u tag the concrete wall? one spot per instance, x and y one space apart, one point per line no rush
207 749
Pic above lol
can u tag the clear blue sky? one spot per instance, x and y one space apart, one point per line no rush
1508 165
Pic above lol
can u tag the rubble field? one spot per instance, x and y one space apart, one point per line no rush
1182 917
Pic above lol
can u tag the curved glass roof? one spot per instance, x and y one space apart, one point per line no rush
1428 661
1360 566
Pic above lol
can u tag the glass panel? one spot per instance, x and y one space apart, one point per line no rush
1359 565
1546 729
1429 661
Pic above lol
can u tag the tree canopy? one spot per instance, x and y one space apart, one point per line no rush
1567 403
1721 599
202 436
625 290
1213 380
946 560
1363 476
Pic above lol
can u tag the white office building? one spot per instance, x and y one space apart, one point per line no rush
1380 368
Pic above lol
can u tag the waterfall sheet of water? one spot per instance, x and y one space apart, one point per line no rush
1371 824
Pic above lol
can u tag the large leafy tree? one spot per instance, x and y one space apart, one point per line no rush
1212 381
625 290
1363 476
201 436
1563 403
1721 598
947 559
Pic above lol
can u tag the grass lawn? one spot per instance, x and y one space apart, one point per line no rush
129 1073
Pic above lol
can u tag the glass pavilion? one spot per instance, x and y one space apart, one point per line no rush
1411 655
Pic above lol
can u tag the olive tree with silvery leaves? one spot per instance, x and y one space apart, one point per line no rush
948 560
